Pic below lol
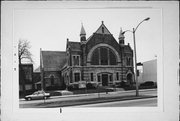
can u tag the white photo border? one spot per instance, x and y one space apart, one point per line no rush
168 86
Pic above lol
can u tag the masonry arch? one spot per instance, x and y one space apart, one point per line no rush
103 54
129 77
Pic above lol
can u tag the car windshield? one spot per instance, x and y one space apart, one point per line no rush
41 92
35 93
38 92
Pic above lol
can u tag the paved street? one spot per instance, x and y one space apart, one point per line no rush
150 102
152 92
24 103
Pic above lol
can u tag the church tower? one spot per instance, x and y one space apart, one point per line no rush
83 49
121 37
82 34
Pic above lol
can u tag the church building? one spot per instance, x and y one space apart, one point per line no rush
99 59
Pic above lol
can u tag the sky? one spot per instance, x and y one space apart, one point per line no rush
49 28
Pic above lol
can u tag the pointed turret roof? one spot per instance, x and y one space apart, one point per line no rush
102 29
120 34
82 32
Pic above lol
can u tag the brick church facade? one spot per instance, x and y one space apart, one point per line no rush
99 59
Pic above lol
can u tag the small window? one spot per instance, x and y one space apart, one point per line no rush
27 73
102 29
77 77
128 61
99 78
110 78
92 79
71 81
117 76
76 60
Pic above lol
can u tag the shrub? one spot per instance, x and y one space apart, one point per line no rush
55 93
140 87
76 86
148 83
53 88
147 87
73 87
70 87
129 88
90 86
123 84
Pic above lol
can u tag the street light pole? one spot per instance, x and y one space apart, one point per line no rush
135 56
135 59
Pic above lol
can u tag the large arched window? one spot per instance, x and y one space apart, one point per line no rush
103 56
112 58
95 57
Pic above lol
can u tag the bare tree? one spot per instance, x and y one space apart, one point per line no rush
23 50
23 53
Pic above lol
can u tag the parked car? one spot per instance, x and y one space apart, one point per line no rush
148 83
38 95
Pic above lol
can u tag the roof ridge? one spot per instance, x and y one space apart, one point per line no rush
103 25
74 41
52 51
53 60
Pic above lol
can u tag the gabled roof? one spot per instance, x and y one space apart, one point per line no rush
75 46
53 60
127 47
102 29
89 38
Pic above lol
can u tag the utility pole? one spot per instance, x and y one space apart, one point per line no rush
135 55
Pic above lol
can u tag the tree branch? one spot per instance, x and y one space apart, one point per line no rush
23 50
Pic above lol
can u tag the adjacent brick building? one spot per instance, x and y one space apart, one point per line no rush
99 59
26 83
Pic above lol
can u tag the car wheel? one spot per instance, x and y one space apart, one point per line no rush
28 98
45 98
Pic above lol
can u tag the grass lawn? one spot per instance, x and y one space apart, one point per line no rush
98 90
82 91
84 101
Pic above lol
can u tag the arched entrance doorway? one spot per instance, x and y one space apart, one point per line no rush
105 78
129 78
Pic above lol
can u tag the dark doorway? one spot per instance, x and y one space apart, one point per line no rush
104 79
129 78
52 79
